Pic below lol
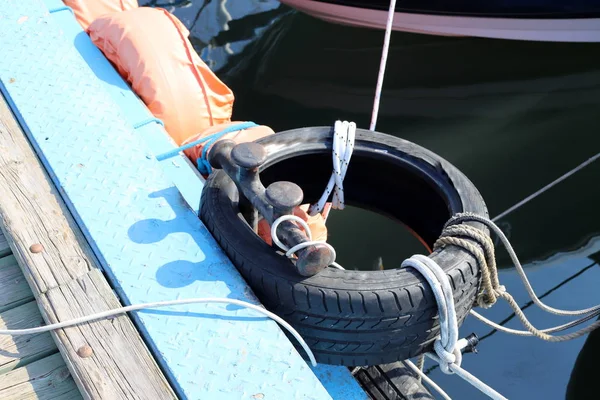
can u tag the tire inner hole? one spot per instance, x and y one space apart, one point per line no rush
393 210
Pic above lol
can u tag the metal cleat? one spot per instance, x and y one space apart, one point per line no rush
241 163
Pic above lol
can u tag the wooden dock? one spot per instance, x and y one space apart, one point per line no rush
30 366
48 274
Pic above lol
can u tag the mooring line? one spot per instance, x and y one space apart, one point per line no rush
382 64
547 187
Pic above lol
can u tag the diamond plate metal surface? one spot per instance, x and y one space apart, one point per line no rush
134 110
150 242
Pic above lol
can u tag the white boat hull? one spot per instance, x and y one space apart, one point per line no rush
547 30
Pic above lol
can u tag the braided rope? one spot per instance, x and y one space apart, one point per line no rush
479 244
489 273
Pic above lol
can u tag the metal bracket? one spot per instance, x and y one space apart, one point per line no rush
241 163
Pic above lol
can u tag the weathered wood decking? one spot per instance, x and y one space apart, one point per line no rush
55 280
30 366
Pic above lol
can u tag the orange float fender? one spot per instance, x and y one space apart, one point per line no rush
151 51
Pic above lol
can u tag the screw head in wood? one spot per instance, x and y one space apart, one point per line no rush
36 248
85 351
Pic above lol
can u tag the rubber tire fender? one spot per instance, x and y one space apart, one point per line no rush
354 317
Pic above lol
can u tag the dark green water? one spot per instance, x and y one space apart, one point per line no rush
512 116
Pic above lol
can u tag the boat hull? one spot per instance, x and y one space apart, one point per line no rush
524 28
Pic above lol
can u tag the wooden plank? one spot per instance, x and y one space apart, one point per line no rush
32 212
46 379
4 247
82 297
14 289
24 349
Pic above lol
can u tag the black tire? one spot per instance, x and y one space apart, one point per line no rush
392 382
354 317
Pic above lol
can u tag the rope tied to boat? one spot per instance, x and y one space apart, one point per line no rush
457 233
447 349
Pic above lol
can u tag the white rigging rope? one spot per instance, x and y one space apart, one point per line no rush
382 64
447 348
344 133
547 187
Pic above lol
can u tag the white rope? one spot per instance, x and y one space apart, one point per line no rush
445 345
447 349
343 146
427 379
547 187
382 63
519 332
470 378
290 252
121 310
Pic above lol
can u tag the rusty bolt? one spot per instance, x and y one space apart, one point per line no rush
85 351
36 248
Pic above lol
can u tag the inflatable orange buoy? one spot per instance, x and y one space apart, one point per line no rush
87 11
150 49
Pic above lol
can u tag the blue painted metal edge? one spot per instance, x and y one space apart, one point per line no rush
159 221
134 110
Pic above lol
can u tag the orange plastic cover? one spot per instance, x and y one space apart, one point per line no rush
150 49
88 10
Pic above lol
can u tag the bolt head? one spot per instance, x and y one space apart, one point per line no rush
36 248
85 351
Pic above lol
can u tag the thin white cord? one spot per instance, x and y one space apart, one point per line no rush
518 332
121 310
515 259
427 379
382 64
547 187
289 252
472 379
343 146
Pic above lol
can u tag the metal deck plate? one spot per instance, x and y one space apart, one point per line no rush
149 241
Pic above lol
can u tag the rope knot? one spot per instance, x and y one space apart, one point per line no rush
479 244
446 357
